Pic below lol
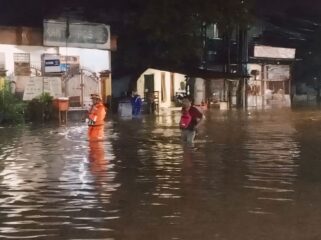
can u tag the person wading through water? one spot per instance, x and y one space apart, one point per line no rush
96 118
191 119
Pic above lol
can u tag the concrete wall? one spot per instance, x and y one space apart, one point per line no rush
20 36
178 78
91 59
35 55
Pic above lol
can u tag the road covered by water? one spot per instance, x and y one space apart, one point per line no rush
249 176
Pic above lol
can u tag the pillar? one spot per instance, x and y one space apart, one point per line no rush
106 89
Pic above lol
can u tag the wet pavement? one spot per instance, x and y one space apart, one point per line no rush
249 176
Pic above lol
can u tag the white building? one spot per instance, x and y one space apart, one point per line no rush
22 54
164 85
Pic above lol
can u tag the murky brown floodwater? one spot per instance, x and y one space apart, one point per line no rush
248 177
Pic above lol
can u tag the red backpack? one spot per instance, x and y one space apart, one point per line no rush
186 118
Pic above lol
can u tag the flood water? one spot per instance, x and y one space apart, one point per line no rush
249 176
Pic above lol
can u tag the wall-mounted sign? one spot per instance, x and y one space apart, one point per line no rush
70 64
274 52
50 63
55 63
76 34
35 86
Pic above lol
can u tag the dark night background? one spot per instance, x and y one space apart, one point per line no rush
31 12
144 28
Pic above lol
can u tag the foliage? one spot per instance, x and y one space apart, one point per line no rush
40 109
11 108
168 32
309 68
45 98
228 14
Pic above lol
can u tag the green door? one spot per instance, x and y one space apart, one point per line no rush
149 83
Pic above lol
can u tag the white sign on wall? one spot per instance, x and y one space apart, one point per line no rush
51 63
274 52
76 34
54 63
35 86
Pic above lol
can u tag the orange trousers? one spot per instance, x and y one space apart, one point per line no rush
95 132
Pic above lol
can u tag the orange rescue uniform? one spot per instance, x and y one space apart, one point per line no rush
96 116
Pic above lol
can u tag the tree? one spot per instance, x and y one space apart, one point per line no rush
159 33
11 108
309 68
168 32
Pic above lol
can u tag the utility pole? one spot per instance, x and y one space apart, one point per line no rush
242 69
67 35
204 45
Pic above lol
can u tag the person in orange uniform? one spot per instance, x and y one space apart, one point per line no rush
96 119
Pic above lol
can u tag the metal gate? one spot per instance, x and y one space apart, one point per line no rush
79 87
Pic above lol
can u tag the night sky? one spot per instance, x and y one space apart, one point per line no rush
31 12
291 18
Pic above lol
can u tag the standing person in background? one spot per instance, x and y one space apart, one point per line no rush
190 121
136 104
96 118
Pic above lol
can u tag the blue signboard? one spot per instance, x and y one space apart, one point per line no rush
65 67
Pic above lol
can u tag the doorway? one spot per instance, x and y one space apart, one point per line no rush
149 83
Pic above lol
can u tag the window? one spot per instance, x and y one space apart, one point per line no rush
21 64
212 31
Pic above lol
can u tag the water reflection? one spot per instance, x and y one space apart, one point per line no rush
249 176
48 194
272 164
96 157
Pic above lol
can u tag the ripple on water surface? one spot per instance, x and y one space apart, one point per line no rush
243 179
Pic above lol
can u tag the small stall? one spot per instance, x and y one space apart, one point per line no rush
61 105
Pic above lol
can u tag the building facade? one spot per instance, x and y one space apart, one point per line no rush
33 68
163 86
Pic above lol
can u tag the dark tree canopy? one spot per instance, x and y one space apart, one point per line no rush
150 32
308 68
168 32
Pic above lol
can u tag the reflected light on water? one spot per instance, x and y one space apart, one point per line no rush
272 164
47 176
247 177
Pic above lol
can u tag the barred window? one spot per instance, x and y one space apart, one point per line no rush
213 32
21 64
